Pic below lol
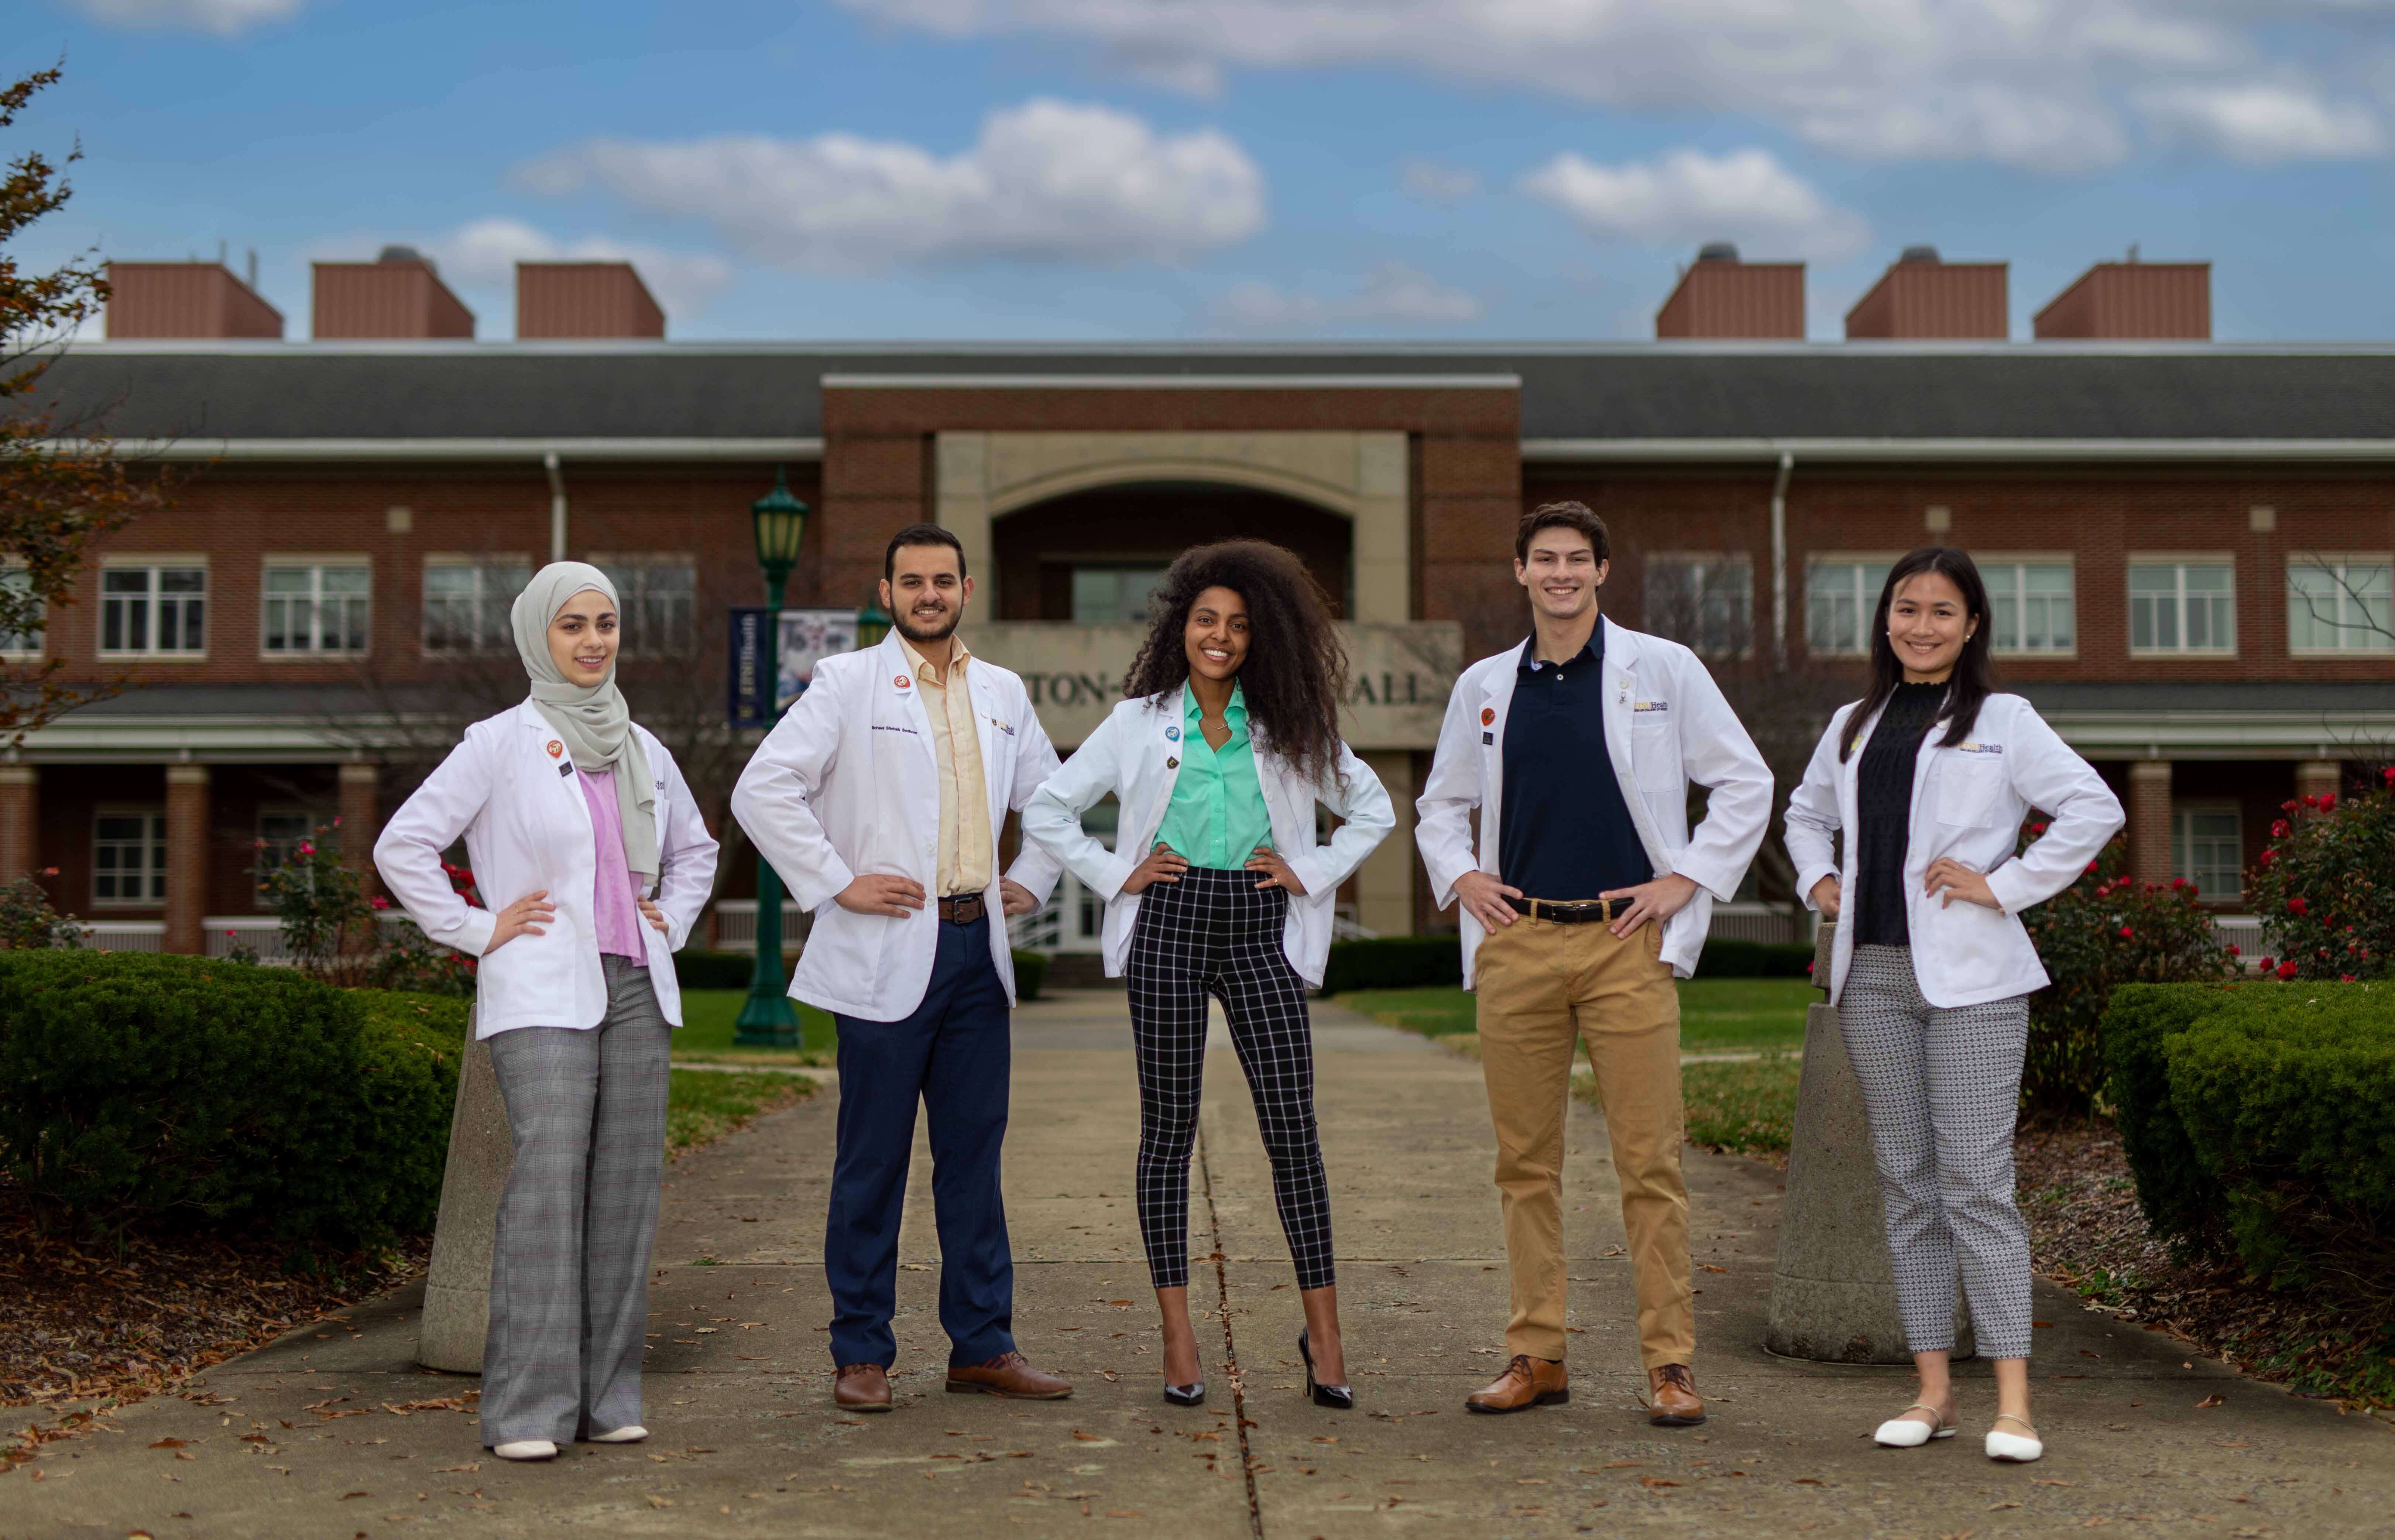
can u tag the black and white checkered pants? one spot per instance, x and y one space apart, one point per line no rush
1214 933
1942 1088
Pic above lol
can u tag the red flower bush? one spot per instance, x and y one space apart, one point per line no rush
2325 886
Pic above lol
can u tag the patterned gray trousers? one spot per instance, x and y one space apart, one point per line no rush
1942 1088
570 1264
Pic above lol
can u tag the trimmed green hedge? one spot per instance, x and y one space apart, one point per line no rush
150 1088
1393 963
697 968
1754 960
1030 973
2262 1116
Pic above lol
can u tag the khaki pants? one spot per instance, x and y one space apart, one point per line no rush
1541 985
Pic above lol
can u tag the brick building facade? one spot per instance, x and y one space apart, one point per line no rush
308 624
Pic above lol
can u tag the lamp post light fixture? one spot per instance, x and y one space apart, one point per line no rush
767 1020
872 624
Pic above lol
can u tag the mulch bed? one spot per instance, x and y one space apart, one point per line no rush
2087 1233
85 1325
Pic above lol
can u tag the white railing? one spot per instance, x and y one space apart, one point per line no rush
1748 921
2241 931
220 934
735 926
133 935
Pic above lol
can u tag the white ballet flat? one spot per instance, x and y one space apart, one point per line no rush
2011 1447
526 1449
1902 1432
629 1433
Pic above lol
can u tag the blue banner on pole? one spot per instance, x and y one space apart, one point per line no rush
752 667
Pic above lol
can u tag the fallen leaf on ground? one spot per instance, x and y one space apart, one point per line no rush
2210 1401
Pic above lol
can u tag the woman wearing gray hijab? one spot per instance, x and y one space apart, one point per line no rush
579 825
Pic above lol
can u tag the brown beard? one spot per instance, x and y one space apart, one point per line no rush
920 637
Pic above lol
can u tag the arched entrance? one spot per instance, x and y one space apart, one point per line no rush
1092 557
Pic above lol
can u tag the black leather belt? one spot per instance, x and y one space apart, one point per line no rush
963 908
1593 911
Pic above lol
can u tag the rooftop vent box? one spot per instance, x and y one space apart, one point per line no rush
1720 296
185 299
398 295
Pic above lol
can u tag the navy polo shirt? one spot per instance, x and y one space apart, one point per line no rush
1567 832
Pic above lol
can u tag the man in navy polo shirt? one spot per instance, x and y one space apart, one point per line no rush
1585 895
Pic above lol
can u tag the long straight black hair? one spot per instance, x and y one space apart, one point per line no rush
1967 687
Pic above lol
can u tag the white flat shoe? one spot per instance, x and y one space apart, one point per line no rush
526 1449
632 1433
1902 1432
2011 1447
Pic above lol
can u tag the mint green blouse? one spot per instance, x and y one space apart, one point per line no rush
1217 816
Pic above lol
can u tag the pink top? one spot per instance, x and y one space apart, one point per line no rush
615 905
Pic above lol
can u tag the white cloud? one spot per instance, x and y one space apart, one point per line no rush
1046 182
224 17
1435 181
1689 196
2029 82
1389 294
484 254
2264 122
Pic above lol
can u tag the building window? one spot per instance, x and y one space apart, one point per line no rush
656 596
17 594
2339 605
2031 605
153 610
2182 607
1113 595
1840 599
466 603
129 859
315 607
2208 847
1706 603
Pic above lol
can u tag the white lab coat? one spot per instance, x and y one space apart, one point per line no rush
1968 802
1134 754
1666 725
848 784
527 828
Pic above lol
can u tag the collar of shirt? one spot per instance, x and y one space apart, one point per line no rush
1235 714
1532 663
924 671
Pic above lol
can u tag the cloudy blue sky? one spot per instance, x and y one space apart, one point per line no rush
1281 169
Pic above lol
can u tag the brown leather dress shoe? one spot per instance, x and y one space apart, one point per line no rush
1009 1374
1527 1382
1672 1396
862 1387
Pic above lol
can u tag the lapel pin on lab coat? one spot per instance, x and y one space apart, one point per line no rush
555 749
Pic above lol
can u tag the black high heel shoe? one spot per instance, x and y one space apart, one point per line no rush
1337 1397
1193 1394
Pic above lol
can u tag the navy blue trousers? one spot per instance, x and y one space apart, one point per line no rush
954 1054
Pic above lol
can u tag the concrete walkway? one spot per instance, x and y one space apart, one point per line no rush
333 1432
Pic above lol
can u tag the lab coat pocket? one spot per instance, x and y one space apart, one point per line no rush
1976 948
847 947
1655 745
1970 788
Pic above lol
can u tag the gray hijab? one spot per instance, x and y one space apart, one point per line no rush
595 723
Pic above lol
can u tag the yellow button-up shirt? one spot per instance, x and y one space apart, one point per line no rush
968 851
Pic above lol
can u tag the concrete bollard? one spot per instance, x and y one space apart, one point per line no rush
1833 1291
482 1152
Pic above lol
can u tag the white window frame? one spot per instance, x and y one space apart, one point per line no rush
316 565
2179 561
1716 577
632 617
155 564
13 571
492 635
2353 640
2015 565
1867 603
153 839
2181 835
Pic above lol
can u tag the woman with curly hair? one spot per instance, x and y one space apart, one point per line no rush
1229 737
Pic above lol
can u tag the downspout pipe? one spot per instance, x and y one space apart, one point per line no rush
1779 559
550 463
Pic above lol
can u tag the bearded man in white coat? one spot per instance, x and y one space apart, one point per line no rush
877 799
1587 897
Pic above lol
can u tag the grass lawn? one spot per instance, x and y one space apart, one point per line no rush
707 1032
1745 1106
707 1103
1716 1014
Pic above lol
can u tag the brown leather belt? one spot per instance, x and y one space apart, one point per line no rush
963 908
1591 911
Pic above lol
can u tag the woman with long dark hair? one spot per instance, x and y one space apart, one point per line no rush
1227 739
1928 777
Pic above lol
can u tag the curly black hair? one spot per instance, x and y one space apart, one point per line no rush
1295 674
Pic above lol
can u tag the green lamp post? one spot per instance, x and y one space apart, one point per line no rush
872 624
767 1021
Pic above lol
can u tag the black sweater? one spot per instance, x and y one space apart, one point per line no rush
1884 811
